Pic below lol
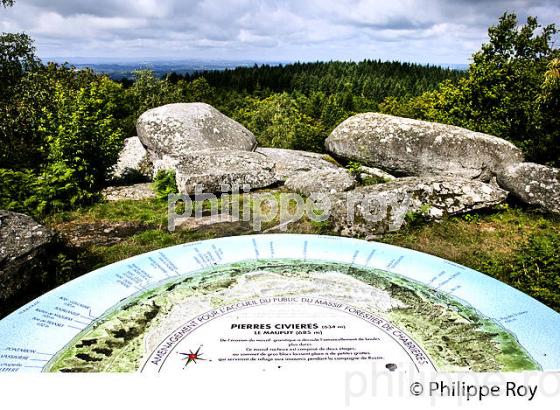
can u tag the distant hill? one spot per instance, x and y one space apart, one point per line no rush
119 70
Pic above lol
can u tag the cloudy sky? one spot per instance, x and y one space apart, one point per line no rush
428 31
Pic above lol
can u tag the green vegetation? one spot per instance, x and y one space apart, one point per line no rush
165 184
61 128
511 90
354 168
519 247
414 218
59 131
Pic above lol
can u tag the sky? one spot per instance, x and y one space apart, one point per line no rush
429 31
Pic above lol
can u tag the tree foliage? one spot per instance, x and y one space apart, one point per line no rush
82 131
510 90
278 121
60 131
370 80
17 57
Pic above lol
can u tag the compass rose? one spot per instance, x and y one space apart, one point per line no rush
192 357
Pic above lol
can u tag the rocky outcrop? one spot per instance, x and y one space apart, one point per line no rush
209 151
221 171
321 181
133 162
131 192
204 148
25 253
406 147
179 129
534 184
292 162
382 208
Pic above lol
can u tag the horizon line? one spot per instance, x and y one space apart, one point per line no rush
140 60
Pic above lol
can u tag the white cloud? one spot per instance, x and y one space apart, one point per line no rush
435 31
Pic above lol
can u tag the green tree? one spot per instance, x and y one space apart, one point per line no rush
508 91
17 56
148 92
277 121
549 102
82 132
62 136
333 112
17 102
199 90
505 81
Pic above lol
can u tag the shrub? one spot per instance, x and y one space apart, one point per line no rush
165 184
15 188
534 268
82 131
354 168
55 189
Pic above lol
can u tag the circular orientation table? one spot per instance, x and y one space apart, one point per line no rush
271 302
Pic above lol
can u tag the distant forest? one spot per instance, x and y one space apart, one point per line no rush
370 79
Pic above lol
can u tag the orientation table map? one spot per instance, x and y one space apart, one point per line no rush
271 302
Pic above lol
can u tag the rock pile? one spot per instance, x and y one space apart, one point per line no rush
417 167
203 147
212 152
407 169
407 147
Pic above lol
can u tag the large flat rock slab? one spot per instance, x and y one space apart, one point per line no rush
406 147
382 208
320 181
220 171
292 162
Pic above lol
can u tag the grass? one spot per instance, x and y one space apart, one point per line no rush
149 211
518 246
473 239
147 241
